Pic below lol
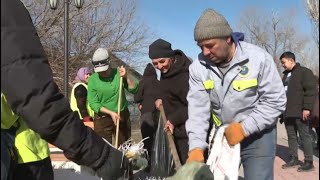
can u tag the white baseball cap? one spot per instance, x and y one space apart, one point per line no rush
100 60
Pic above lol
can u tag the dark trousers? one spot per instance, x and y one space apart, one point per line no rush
182 148
39 170
104 127
148 127
294 125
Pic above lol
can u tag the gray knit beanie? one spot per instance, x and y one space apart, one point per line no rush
211 25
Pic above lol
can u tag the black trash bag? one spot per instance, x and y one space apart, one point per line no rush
161 158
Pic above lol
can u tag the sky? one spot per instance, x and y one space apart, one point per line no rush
174 20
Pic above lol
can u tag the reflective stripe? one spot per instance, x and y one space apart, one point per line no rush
208 84
216 121
29 144
240 85
8 118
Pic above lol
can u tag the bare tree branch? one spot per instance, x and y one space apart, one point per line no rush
100 23
312 8
272 31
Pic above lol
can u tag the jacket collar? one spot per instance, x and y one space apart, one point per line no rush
238 57
294 68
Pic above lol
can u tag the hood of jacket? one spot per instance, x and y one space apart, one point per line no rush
150 71
180 65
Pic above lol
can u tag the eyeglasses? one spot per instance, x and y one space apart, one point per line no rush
101 63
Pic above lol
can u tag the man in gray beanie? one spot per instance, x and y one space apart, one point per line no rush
234 83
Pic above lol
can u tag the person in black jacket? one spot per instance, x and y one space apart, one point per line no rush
146 97
300 86
174 87
27 82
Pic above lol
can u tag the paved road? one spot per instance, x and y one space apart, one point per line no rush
282 155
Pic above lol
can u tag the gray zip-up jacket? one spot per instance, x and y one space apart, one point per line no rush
251 91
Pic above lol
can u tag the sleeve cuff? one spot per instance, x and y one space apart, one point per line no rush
135 89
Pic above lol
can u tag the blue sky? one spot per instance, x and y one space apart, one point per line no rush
174 20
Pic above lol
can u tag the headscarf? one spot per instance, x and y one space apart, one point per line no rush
80 77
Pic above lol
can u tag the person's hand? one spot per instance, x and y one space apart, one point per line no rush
169 126
115 166
87 119
140 107
115 117
305 114
158 103
234 133
195 155
122 72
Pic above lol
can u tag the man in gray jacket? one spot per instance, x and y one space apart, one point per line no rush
235 83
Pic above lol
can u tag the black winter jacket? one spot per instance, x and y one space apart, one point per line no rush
27 82
301 91
147 92
174 87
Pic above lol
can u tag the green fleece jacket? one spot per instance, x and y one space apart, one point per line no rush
104 92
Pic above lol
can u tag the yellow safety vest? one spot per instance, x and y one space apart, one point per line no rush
73 101
30 146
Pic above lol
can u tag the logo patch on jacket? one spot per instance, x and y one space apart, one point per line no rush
245 71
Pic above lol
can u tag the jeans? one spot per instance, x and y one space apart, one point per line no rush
257 155
294 125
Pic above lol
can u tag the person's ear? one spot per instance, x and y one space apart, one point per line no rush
229 40
291 60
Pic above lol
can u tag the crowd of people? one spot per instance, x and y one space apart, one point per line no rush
232 83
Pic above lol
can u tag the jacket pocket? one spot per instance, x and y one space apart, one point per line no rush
240 85
208 84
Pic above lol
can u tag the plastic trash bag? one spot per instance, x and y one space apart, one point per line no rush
135 153
193 171
161 158
223 159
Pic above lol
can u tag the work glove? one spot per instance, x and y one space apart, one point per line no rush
234 133
196 155
116 166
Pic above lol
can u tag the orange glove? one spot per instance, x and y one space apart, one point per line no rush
196 155
234 133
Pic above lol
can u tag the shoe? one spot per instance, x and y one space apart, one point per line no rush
306 166
292 163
